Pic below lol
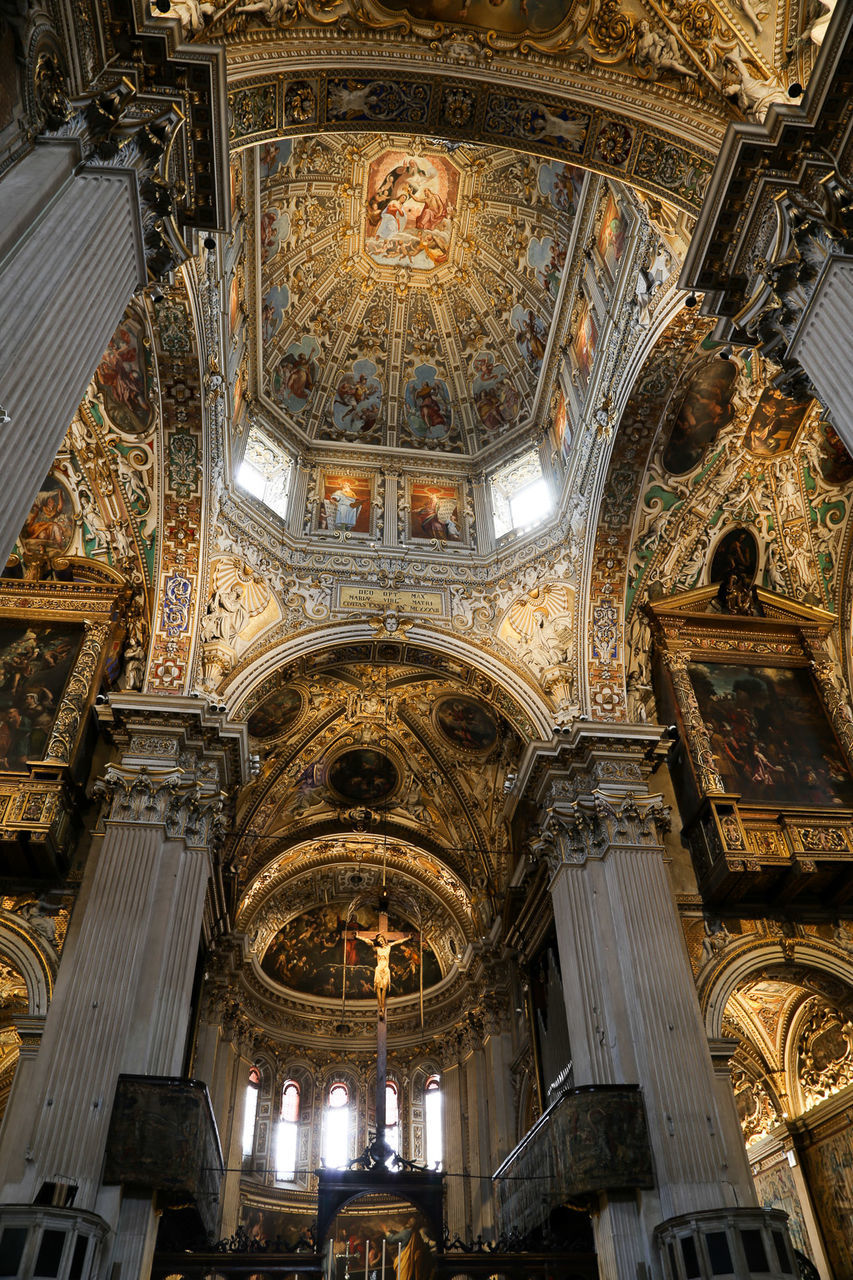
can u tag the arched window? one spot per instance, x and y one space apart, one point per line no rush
250 1111
288 1132
337 1127
432 1117
392 1120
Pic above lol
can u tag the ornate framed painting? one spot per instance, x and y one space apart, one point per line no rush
436 511
55 638
346 504
763 763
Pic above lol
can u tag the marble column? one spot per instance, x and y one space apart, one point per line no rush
71 255
122 998
631 1007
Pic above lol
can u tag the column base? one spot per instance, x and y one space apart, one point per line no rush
726 1243
41 1240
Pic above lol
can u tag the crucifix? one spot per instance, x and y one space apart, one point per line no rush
382 941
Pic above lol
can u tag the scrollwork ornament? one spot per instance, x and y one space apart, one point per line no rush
611 32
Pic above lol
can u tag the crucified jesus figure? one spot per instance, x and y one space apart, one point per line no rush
382 944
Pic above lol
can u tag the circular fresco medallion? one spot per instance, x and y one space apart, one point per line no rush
272 716
466 723
363 776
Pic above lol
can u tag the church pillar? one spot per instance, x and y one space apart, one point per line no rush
821 339
455 1158
122 1000
631 1007
71 255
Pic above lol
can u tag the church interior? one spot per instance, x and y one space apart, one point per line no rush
426 745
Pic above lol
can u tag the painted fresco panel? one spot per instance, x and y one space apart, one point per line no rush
123 379
272 716
435 511
363 776
771 739
611 236
382 1245
466 723
35 662
346 503
736 553
585 342
774 424
50 524
510 17
411 203
309 952
705 410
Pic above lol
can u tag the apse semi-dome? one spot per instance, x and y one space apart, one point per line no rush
315 952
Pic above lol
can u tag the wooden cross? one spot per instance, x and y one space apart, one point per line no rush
382 941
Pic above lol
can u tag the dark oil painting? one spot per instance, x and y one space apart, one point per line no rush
35 662
771 739
466 723
272 716
774 424
736 553
836 465
705 410
372 1244
308 955
279 1230
363 776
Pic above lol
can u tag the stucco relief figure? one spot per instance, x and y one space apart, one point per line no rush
382 945
747 8
225 615
754 97
659 52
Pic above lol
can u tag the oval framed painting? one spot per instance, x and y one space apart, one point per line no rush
735 553
275 714
363 775
466 723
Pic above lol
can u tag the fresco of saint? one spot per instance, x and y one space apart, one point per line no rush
409 211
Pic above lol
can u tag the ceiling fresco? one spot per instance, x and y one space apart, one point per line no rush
386 748
408 289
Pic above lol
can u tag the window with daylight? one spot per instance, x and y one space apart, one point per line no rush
336 1137
392 1121
265 471
521 496
432 1115
288 1133
250 1111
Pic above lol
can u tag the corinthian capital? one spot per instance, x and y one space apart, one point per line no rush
186 804
594 825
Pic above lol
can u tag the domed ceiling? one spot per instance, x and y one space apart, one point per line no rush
408 289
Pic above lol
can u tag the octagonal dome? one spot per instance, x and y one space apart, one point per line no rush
408 290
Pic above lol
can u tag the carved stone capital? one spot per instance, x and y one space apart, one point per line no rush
187 804
594 825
